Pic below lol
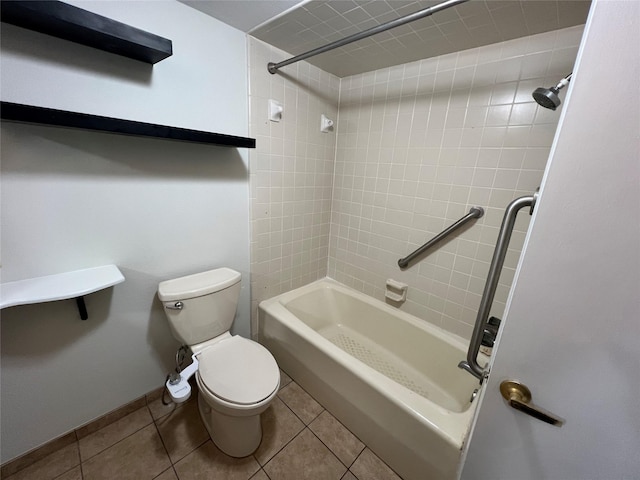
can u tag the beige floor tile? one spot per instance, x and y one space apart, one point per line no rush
102 439
168 474
73 474
344 444
284 379
307 458
111 417
137 457
159 410
208 462
302 404
279 426
51 466
369 467
182 431
260 476
349 476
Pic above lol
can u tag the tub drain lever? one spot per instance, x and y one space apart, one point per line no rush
178 383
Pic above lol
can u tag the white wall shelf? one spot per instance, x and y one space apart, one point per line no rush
61 286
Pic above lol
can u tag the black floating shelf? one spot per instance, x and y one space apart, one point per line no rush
65 21
62 118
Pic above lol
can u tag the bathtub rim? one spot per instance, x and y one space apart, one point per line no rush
452 426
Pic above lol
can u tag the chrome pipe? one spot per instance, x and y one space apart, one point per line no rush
475 212
273 67
471 364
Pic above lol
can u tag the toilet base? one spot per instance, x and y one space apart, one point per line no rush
235 436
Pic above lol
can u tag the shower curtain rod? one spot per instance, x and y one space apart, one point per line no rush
273 67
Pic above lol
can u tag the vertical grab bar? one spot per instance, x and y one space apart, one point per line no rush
502 244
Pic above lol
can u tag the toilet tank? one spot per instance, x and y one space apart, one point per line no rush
201 306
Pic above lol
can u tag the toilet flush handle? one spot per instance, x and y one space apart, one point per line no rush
175 306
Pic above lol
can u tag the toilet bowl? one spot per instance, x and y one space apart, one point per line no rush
231 399
237 378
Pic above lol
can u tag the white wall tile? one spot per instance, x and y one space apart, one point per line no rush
474 136
291 174
415 146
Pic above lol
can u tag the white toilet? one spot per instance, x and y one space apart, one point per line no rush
237 377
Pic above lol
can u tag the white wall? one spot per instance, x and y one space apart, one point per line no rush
73 199
188 89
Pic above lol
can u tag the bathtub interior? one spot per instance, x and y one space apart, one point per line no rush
395 344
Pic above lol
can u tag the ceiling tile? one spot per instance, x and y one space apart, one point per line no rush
466 26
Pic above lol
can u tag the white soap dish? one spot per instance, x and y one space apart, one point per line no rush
396 291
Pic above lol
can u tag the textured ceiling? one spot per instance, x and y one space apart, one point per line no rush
242 14
469 25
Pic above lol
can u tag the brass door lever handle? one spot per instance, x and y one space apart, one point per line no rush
518 396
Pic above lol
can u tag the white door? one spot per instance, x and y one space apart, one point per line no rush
571 332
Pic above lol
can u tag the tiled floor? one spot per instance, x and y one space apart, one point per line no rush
301 440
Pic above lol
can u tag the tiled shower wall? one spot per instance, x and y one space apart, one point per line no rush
291 173
418 145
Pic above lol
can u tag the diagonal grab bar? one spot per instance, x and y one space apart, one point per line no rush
475 212
471 364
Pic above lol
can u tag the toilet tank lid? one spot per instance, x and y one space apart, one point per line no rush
198 284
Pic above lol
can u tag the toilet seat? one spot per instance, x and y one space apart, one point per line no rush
238 371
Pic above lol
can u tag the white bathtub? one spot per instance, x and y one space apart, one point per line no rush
389 377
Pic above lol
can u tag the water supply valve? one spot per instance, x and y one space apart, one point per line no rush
178 383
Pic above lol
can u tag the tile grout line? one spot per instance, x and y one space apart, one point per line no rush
260 470
119 441
281 449
292 439
331 450
307 427
292 411
208 439
352 474
166 450
79 457
156 423
163 417
165 471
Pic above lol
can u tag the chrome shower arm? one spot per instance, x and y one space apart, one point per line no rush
471 364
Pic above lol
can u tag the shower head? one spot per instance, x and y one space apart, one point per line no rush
548 97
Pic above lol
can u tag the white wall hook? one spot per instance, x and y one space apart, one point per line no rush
326 124
275 111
